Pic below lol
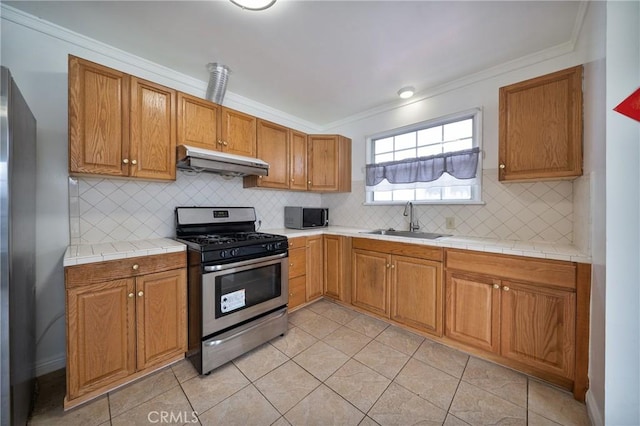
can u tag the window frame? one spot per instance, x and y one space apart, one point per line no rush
476 190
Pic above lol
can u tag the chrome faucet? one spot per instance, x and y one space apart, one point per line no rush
413 226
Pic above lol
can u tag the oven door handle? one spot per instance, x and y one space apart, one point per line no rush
246 330
258 261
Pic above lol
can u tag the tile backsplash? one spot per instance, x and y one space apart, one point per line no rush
539 211
105 210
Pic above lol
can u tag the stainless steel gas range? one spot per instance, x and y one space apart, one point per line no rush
238 283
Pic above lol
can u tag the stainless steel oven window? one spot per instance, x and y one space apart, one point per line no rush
246 286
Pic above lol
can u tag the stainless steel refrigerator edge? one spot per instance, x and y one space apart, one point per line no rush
17 268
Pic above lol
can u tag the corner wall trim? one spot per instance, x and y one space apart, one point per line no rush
593 411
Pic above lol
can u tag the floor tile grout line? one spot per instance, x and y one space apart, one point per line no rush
466 364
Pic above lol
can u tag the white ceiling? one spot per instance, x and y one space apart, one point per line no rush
323 61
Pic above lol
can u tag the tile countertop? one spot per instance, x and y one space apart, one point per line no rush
100 252
544 250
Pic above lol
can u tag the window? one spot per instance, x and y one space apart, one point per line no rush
436 161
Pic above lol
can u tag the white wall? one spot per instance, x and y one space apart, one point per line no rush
622 343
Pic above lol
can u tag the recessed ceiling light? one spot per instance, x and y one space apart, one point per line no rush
254 4
406 92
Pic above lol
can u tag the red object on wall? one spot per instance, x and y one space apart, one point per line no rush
630 106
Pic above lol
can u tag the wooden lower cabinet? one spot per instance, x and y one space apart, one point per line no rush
315 267
370 281
406 289
121 328
297 272
536 324
538 327
337 264
416 293
473 309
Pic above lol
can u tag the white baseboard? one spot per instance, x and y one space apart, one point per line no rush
592 409
49 365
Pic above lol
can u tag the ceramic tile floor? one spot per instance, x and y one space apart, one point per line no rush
334 367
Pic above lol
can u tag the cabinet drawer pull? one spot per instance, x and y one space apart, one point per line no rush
505 288
496 286
125 161
130 295
135 266
140 293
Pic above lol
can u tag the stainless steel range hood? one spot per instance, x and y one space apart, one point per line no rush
205 160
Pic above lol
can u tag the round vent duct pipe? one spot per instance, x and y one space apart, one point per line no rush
218 77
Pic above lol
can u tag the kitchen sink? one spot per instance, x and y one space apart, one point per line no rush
410 234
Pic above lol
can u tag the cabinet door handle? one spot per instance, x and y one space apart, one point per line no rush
293 180
505 288
291 265
219 142
135 267
130 295
393 266
388 265
225 143
140 293
502 166
259 177
496 286
134 162
309 182
125 161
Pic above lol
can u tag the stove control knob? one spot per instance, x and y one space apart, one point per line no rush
223 254
234 252
269 247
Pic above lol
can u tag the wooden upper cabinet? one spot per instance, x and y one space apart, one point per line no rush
153 131
272 147
238 132
198 122
98 119
297 160
540 134
329 163
120 125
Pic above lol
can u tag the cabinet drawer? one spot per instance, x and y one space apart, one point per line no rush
552 272
92 273
297 242
404 249
297 262
297 291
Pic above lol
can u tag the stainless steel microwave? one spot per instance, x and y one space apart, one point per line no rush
305 217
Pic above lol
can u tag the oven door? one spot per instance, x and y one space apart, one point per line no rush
237 292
